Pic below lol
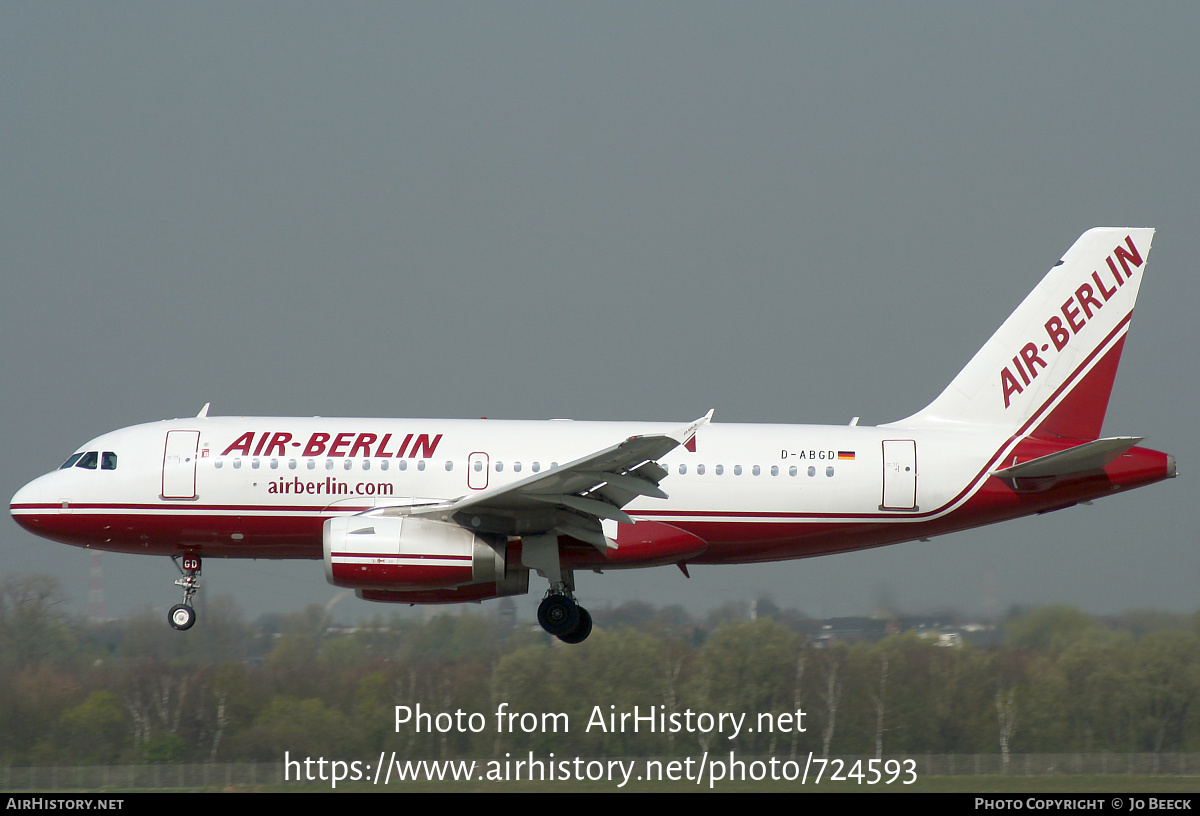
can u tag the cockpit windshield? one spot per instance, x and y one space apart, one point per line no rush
89 459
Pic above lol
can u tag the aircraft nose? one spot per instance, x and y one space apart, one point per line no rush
31 505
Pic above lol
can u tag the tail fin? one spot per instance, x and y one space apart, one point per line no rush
1049 369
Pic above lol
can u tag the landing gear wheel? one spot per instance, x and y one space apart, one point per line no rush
181 616
579 633
558 615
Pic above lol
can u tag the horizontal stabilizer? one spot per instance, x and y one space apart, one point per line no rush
1079 459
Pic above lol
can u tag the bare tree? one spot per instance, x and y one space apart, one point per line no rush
878 699
831 695
798 687
221 722
1006 713
155 698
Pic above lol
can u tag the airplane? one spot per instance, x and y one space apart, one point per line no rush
433 511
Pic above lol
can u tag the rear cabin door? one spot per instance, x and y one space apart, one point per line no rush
899 474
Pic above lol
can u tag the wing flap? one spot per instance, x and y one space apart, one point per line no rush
590 507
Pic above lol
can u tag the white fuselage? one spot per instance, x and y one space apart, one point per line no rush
262 486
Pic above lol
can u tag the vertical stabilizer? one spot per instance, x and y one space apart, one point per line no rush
1049 369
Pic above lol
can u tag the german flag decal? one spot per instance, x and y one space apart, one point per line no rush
846 456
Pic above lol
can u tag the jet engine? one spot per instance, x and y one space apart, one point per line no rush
407 554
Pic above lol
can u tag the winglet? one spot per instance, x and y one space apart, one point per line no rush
203 411
687 436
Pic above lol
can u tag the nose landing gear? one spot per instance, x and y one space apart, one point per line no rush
182 616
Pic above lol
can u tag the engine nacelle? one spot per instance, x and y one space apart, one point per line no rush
517 583
407 553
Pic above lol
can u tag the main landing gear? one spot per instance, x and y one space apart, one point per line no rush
182 616
562 617
558 613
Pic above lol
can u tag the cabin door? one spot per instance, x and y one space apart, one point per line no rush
899 474
179 465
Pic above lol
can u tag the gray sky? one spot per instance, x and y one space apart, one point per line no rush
793 212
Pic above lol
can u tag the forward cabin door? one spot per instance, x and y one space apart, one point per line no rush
179 465
899 474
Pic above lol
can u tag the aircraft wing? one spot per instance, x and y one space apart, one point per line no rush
574 499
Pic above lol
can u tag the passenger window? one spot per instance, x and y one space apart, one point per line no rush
699 470
383 465
737 470
774 470
449 466
402 464
478 466
312 464
812 471
291 464
720 469
366 464
499 466
89 460
349 463
237 462
516 467
792 471
828 471
420 464
682 469
329 464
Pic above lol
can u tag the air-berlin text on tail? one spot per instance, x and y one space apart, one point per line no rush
348 444
1082 306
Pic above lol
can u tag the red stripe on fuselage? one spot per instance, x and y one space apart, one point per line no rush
746 537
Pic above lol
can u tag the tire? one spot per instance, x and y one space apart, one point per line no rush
579 633
558 615
181 617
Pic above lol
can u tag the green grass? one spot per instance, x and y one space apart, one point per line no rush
1080 784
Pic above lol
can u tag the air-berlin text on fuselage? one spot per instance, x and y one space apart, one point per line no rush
1089 298
349 444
